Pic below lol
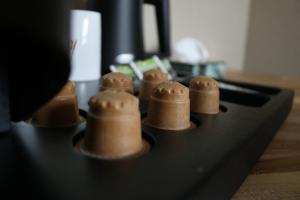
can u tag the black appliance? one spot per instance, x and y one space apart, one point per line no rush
208 162
122 29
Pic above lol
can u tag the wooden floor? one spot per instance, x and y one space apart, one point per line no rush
276 174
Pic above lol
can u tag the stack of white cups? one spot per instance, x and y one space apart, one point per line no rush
85 45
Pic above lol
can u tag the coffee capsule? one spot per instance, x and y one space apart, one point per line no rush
152 78
113 126
61 111
169 107
204 95
117 81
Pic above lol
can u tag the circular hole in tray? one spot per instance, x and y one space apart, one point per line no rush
82 115
148 142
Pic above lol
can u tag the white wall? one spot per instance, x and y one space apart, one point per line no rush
274 37
220 24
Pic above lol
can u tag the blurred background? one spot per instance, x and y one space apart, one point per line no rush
252 35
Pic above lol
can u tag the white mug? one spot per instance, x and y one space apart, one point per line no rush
85 45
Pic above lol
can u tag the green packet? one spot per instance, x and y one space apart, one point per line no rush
142 65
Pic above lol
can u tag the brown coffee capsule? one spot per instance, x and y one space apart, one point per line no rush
117 81
152 78
204 95
113 126
61 111
169 107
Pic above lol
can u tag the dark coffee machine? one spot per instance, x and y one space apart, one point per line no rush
122 29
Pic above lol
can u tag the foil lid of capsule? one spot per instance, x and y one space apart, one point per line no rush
171 91
113 101
155 75
204 83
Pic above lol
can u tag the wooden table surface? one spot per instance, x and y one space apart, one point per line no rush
276 175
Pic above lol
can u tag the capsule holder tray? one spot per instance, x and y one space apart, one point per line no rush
208 162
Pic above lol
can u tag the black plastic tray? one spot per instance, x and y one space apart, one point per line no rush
208 162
